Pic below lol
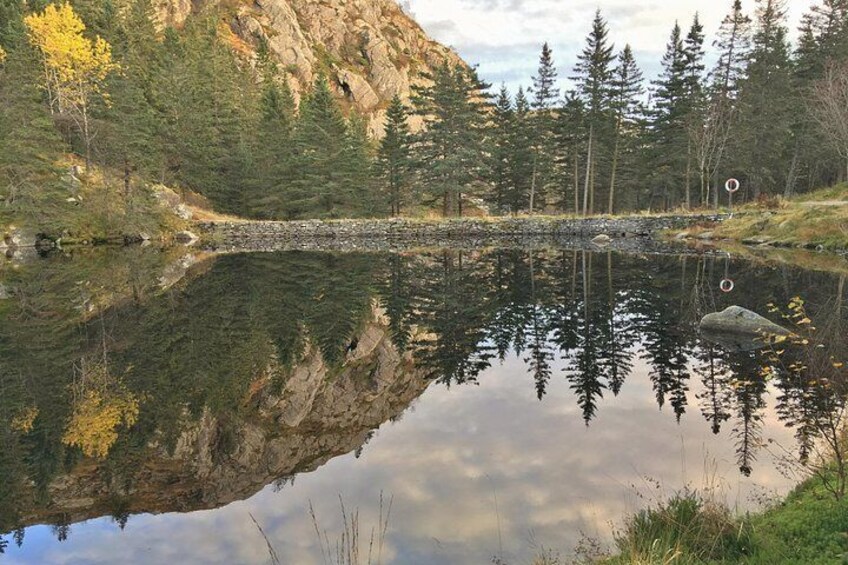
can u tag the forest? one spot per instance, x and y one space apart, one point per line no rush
98 82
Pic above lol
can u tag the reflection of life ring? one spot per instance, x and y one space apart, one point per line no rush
727 285
732 185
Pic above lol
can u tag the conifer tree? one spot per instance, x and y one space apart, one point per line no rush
669 132
545 95
272 148
29 143
450 145
766 104
733 44
130 121
627 90
693 52
593 78
320 185
501 152
394 159
569 138
523 165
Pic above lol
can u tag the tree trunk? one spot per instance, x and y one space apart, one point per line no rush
789 189
689 174
576 183
533 182
588 171
611 209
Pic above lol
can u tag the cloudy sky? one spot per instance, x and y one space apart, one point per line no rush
504 36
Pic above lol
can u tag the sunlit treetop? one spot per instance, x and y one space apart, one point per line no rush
57 32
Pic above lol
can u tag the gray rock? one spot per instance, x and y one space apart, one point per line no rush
20 237
741 321
602 239
186 237
706 235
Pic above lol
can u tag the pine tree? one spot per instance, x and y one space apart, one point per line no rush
522 166
320 184
449 148
766 103
668 128
272 148
501 152
130 121
593 79
545 95
29 143
394 159
627 91
733 44
569 136
693 51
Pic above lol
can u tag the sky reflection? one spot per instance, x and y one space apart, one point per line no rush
475 471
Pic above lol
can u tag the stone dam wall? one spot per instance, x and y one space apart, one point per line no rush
461 232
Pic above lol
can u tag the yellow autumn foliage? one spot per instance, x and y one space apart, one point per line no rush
24 420
95 421
74 64
2 54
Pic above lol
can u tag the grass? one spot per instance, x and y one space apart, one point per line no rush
797 222
809 527
688 528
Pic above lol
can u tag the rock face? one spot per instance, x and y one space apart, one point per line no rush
317 414
369 49
738 321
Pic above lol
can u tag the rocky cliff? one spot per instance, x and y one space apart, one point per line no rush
319 413
370 49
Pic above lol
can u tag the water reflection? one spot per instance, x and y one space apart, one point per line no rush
140 382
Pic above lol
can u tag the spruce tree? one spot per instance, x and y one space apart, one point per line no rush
501 153
320 185
130 122
545 95
569 140
449 147
394 158
627 91
668 128
29 143
523 166
545 92
766 103
593 79
272 147
733 44
693 52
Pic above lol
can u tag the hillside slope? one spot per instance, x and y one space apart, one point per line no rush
369 49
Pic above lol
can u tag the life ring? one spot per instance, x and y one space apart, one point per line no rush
727 285
732 185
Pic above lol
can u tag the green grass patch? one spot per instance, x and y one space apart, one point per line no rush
809 527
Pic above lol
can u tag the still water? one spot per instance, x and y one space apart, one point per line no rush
161 406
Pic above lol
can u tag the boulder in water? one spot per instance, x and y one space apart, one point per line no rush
741 321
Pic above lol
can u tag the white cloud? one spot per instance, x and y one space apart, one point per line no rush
504 36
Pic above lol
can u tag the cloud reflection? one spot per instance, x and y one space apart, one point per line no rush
447 463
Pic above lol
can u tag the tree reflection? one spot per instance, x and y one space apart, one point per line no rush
581 318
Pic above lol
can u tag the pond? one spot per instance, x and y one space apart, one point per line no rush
162 406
